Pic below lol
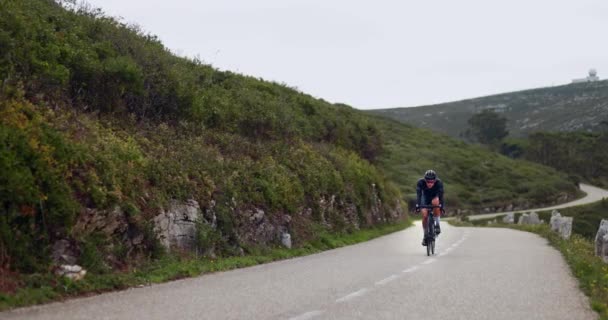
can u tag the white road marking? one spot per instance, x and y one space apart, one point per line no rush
412 269
387 280
430 261
352 295
308 315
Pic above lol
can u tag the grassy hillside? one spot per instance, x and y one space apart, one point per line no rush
98 117
572 107
474 177
579 154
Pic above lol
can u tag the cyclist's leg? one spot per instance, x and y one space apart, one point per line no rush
425 219
437 214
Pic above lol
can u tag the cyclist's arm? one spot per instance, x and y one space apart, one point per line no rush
418 193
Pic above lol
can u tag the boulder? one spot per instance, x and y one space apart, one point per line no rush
523 219
555 220
286 240
509 218
562 225
74 272
565 227
601 241
533 218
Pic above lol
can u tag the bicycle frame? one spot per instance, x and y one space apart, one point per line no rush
430 234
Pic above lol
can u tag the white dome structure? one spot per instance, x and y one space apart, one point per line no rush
592 77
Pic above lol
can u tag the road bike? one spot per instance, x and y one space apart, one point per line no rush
430 232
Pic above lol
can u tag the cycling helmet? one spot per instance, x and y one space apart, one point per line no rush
430 175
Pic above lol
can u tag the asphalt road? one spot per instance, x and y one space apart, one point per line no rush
479 273
593 194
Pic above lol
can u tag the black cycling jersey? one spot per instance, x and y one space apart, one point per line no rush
429 193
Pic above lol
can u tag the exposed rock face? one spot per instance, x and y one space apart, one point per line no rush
64 252
256 227
176 227
509 218
601 241
112 223
376 210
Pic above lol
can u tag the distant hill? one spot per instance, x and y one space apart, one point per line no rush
572 107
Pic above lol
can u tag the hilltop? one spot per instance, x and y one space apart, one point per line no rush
572 107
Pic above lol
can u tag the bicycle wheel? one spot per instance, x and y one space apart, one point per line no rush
431 240
428 248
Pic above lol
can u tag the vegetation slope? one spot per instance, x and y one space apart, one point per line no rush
98 118
565 108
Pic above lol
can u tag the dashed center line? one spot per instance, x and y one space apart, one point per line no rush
308 315
352 295
410 269
315 313
387 280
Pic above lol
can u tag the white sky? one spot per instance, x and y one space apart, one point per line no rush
384 54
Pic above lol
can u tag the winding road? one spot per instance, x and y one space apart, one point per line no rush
593 194
478 273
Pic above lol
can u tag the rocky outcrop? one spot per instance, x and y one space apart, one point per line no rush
111 223
601 241
331 209
256 227
111 228
64 252
176 227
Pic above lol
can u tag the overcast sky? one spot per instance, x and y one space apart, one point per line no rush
383 54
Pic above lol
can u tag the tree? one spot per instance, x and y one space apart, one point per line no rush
487 127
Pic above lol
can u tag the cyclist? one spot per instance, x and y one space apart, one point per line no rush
429 191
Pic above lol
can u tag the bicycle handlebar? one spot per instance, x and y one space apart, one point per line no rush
431 207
